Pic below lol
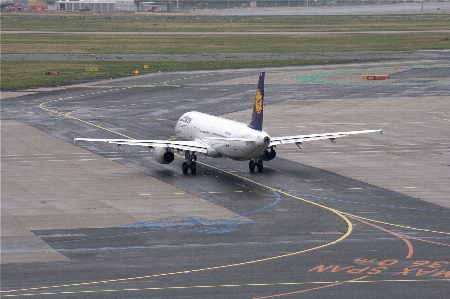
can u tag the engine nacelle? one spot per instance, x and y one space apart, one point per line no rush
163 155
268 154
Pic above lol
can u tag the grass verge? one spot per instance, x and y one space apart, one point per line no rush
210 43
19 73
70 22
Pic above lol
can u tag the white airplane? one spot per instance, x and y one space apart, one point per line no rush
215 136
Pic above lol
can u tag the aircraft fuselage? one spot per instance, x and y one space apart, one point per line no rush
222 137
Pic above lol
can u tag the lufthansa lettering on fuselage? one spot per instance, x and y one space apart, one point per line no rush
186 119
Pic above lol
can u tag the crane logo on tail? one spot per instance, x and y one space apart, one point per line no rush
257 115
258 101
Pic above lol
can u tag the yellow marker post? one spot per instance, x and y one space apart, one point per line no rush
375 77
92 69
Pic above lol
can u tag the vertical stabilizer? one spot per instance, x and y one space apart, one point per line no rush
257 116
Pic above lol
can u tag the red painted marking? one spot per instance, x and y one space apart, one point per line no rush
437 265
404 238
421 263
313 289
442 272
365 261
357 271
421 272
377 270
321 268
405 272
432 242
339 269
388 263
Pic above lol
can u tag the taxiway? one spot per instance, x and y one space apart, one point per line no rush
367 216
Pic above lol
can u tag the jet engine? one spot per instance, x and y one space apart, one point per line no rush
163 155
268 154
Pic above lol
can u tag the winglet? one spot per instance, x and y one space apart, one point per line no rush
257 116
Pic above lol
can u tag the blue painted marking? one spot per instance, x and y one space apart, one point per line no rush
202 225
191 225
199 225
80 240
190 245
263 208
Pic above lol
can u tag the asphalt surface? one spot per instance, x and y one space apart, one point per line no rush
299 229
346 56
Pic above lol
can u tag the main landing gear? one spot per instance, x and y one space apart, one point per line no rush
255 163
190 164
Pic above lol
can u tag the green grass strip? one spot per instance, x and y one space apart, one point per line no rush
179 23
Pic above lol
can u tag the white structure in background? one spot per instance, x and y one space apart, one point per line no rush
87 5
126 5
111 5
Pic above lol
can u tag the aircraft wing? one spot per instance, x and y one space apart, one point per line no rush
301 138
194 146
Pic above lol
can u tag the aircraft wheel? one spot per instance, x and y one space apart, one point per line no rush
260 166
193 168
185 168
251 166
